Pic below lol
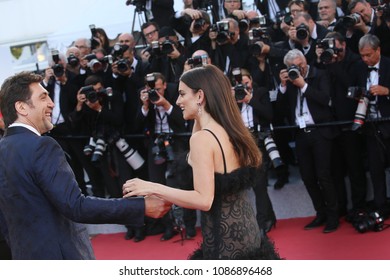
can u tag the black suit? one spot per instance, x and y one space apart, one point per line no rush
314 147
162 11
349 147
378 135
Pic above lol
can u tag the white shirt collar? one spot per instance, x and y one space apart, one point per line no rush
29 127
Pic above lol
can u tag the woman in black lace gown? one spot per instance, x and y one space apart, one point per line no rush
224 158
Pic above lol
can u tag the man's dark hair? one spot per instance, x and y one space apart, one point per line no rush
93 80
336 35
353 4
16 88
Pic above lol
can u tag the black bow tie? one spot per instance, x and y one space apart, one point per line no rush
372 69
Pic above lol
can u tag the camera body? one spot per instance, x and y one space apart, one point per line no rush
284 15
371 221
357 92
73 60
302 31
198 24
350 20
222 29
256 35
329 47
167 46
152 92
293 72
162 149
58 69
197 61
93 95
239 87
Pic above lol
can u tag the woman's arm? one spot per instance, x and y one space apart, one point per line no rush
202 162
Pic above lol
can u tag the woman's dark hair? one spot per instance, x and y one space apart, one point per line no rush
16 88
106 43
222 107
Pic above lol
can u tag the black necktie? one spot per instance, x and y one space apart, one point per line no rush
372 69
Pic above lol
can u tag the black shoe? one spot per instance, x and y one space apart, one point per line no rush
168 234
129 234
190 232
331 227
269 224
139 234
279 184
318 221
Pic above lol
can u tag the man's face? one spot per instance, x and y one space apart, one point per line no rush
39 109
231 5
341 46
129 55
298 21
326 11
364 10
296 8
370 56
126 39
82 46
150 33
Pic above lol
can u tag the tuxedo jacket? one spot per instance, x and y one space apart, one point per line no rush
317 96
41 204
162 11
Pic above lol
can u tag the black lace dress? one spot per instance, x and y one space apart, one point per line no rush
229 228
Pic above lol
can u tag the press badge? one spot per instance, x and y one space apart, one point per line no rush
301 122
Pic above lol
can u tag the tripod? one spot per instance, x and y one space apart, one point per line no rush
139 13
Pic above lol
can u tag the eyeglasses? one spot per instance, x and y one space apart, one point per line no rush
150 33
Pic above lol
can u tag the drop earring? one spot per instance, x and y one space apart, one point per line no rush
199 109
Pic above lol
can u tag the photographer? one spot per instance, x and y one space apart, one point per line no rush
349 146
161 118
327 13
150 34
193 25
228 49
374 76
307 91
169 57
99 113
256 113
62 88
155 11
198 59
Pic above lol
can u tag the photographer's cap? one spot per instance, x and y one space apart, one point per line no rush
166 31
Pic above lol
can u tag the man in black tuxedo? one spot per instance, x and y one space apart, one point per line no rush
307 90
349 147
374 75
159 117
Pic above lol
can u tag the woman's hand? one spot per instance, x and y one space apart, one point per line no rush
135 187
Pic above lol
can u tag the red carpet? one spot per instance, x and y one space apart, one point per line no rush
292 241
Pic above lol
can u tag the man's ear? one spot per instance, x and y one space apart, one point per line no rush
21 108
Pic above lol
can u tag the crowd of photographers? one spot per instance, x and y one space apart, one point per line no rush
297 65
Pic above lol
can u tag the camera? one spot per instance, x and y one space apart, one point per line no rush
372 221
302 31
58 69
139 4
239 88
385 8
197 61
284 15
222 29
350 20
364 96
93 62
118 50
152 93
329 47
73 60
162 149
293 72
94 43
167 46
100 148
92 95
256 35
198 24
123 65
133 158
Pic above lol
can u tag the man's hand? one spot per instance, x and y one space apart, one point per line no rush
156 207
